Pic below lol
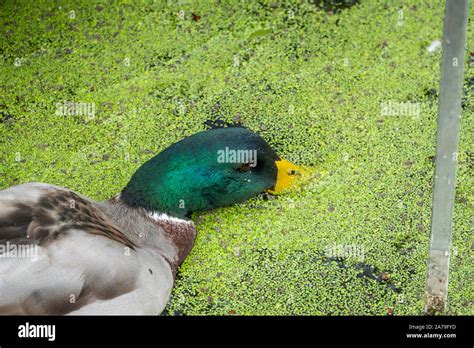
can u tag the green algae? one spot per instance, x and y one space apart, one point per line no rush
309 80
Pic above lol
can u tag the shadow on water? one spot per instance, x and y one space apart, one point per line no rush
334 5
365 271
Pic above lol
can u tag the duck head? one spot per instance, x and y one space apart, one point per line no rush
207 170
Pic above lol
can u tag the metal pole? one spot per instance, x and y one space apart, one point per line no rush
447 139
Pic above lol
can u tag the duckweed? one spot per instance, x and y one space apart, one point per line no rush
312 80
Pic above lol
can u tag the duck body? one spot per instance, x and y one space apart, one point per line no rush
120 256
86 257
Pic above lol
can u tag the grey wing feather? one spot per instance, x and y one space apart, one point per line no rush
61 227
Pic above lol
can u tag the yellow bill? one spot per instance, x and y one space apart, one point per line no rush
288 175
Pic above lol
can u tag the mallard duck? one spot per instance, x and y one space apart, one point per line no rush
63 253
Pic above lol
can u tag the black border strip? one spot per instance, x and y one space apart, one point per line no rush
224 330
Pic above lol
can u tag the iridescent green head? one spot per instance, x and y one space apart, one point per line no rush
210 169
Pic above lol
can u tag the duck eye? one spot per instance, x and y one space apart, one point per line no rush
244 167
292 172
